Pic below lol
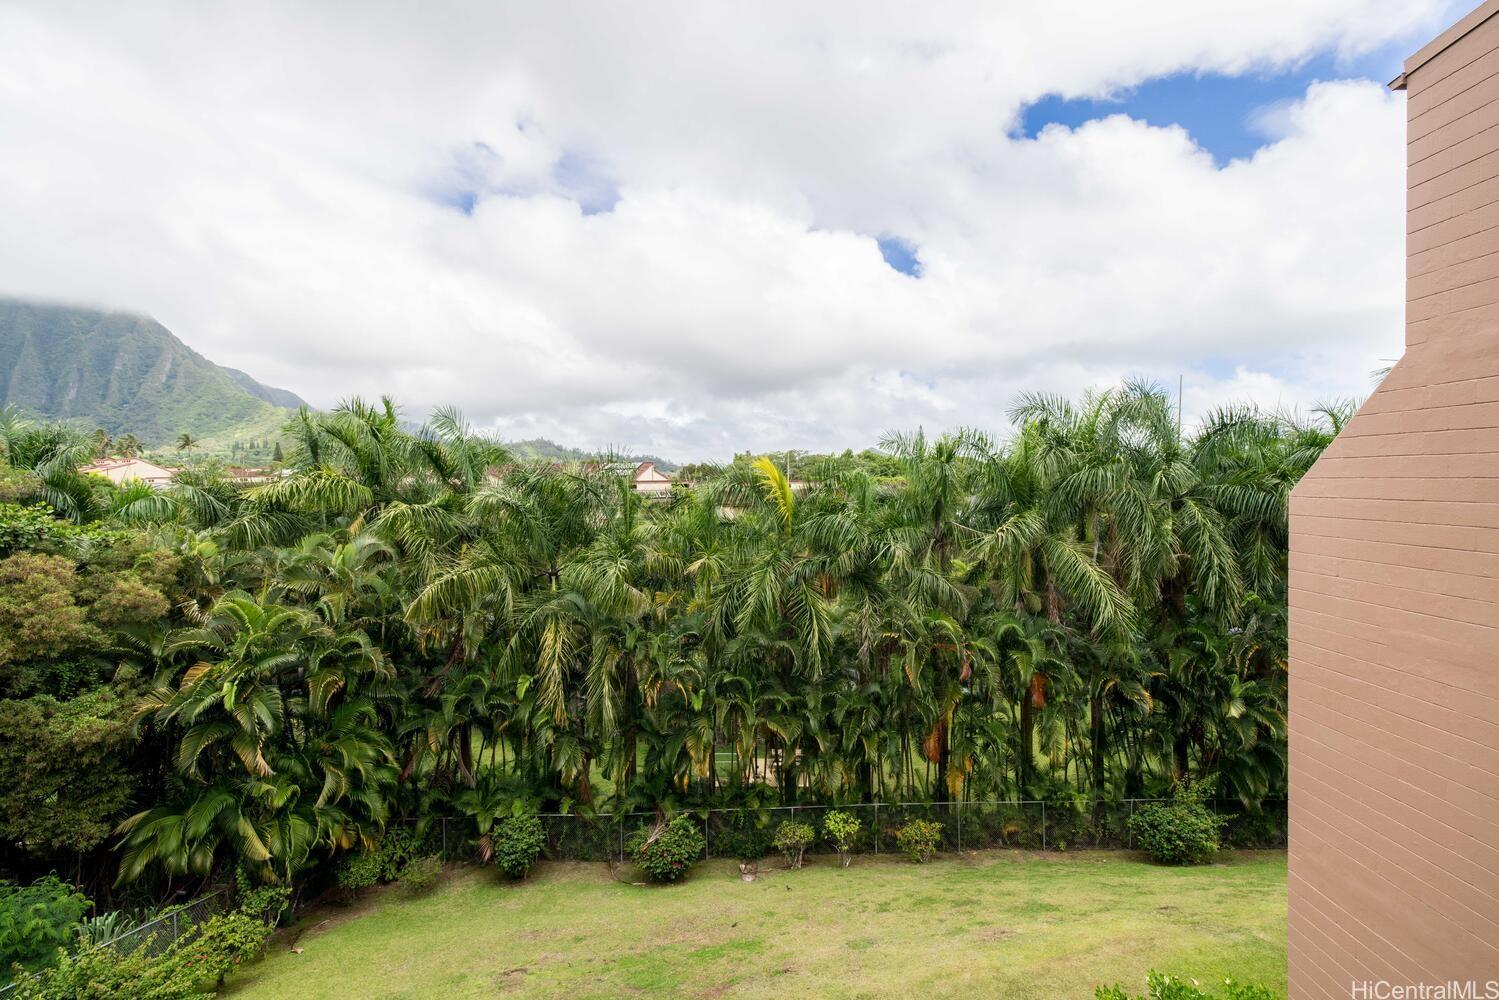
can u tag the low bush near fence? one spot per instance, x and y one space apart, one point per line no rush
842 830
793 839
517 844
665 852
356 872
420 874
398 848
1182 832
919 839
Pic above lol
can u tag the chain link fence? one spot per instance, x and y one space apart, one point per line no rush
747 833
156 936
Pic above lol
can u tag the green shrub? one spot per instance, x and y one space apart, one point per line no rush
220 945
919 839
36 920
793 839
1160 987
518 844
357 871
420 874
263 902
743 836
842 830
1254 829
397 850
29 526
188 969
666 852
1182 832
105 972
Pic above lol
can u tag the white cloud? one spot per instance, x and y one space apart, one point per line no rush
265 180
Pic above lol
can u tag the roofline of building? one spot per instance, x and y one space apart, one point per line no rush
1431 49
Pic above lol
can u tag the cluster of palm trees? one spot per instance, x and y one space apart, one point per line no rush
413 624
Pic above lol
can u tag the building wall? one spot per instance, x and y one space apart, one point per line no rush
1394 603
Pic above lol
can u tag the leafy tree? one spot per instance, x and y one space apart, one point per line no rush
64 774
792 839
842 830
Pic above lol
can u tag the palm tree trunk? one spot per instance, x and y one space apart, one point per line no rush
788 775
584 785
940 792
1096 712
1025 762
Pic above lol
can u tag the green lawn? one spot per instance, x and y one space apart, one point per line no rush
1001 923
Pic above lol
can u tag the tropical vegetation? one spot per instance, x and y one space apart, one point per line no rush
412 624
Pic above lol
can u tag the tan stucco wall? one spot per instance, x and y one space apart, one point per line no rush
1395 591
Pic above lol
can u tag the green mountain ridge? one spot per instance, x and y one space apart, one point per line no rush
126 373
284 398
129 374
544 448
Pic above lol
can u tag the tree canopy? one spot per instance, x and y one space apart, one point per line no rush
414 623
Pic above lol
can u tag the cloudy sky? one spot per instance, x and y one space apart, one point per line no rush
702 227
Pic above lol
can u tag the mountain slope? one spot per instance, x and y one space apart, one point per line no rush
125 373
553 452
284 398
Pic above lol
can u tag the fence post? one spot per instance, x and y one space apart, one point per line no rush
445 837
1043 824
876 828
960 825
707 853
174 924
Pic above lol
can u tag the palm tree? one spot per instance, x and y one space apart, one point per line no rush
411 621
276 747
1031 655
186 442
52 454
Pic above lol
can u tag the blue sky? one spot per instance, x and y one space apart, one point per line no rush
900 254
1219 111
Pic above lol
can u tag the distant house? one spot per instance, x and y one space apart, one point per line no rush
651 481
123 470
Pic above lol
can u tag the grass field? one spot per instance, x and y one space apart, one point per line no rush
1004 923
